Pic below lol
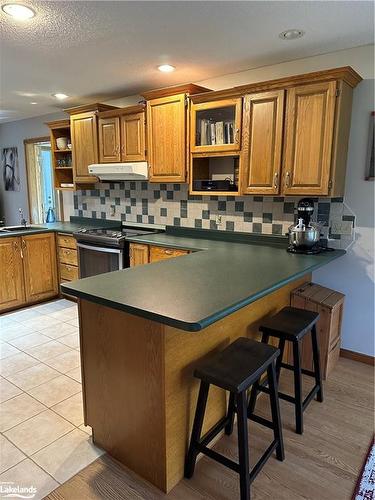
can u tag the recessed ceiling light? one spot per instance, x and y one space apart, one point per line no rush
33 102
291 34
18 11
166 68
60 96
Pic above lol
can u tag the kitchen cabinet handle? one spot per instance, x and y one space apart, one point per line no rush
287 179
168 252
23 244
122 149
237 136
276 180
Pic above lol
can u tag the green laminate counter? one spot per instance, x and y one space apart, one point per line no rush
193 291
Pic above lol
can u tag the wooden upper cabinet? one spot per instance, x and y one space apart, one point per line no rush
12 292
310 119
83 129
84 136
109 140
262 142
39 263
216 126
166 134
133 137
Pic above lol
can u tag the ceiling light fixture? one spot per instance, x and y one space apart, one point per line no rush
18 11
60 96
166 68
292 34
33 102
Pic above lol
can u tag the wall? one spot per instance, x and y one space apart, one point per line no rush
13 134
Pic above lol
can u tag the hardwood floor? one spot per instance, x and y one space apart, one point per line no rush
323 464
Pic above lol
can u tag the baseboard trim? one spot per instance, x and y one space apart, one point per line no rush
357 356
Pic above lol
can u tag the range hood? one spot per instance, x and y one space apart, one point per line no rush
120 171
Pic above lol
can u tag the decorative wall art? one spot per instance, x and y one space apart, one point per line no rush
10 169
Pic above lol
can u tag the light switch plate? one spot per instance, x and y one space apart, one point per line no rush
342 227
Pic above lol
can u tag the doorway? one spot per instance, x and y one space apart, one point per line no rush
42 194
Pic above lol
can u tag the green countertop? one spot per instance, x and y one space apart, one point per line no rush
193 291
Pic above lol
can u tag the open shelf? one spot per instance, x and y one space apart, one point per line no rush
215 175
62 159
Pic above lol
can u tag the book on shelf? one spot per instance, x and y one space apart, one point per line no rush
228 133
213 134
219 132
204 135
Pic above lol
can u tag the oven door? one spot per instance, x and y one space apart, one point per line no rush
95 260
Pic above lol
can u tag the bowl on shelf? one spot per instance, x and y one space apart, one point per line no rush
62 142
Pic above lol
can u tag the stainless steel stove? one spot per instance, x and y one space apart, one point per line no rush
104 250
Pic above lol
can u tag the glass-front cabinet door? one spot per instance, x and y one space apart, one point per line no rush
216 126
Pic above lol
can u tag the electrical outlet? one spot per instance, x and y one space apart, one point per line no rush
342 227
218 220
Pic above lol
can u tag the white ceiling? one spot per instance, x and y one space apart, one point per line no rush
97 50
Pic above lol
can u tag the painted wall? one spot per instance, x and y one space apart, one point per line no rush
13 134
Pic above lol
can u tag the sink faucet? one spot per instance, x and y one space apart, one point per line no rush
23 221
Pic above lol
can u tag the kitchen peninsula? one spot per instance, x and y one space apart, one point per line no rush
143 329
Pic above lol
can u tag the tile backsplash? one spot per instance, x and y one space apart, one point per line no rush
171 204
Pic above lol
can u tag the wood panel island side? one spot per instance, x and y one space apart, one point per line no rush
138 386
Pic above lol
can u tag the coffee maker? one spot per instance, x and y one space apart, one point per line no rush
304 236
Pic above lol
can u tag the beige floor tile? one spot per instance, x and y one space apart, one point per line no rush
17 410
8 390
68 455
48 350
71 409
34 376
9 454
24 315
86 428
27 474
7 350
76 374
31 340
64 314
73 322
38 432
60 330
41 322
16 363
15 330
71 340
6 321
56 390
65 362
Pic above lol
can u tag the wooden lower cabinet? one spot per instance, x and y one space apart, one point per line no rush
139 254
12 292
28 271
162 253
39 265
67 257
145 254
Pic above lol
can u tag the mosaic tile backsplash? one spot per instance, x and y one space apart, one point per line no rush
171 204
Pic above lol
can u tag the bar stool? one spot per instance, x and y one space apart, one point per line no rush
235 369
292 324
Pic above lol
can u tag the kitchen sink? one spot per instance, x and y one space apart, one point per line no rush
10 229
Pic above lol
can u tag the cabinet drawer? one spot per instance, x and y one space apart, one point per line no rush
68 256
64 240
68 272
161 253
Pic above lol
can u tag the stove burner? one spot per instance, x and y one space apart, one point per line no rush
309 251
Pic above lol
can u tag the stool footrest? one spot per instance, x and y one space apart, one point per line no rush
303 370
234 465
260 420
282 395
214 431
310 396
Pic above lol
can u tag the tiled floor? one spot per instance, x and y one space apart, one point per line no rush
43 441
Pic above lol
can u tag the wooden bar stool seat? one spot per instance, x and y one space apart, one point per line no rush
235 369
292 324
